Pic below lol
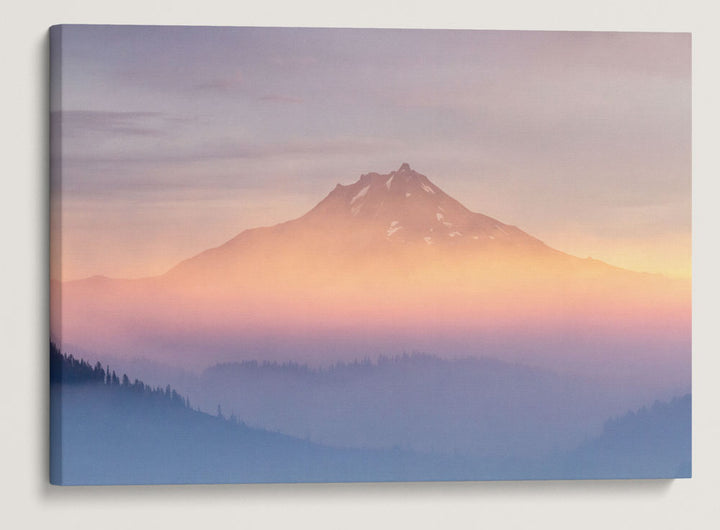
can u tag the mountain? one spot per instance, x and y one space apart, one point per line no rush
378 212
652 442
106 430
390 263
479 407
380 231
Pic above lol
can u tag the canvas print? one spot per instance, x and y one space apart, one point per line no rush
340 255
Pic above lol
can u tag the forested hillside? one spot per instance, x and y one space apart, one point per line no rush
106 429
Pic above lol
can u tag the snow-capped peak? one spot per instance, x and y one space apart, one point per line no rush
404 206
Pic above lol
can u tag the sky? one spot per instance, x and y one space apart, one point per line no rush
175 139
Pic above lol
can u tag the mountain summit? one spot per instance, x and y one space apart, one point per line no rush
405 206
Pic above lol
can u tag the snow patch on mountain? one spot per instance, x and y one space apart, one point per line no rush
360 194
393 229
355 208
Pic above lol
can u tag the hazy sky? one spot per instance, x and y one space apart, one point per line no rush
176 138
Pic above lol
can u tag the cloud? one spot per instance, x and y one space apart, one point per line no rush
232 150
207 167
222 84
280 99
82 122
110 136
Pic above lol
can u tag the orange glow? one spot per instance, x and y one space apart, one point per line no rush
412 294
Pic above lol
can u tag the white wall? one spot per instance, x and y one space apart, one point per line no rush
27 501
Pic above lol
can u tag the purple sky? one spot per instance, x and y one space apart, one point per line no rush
177 138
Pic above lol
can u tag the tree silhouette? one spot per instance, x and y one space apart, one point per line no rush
65 369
